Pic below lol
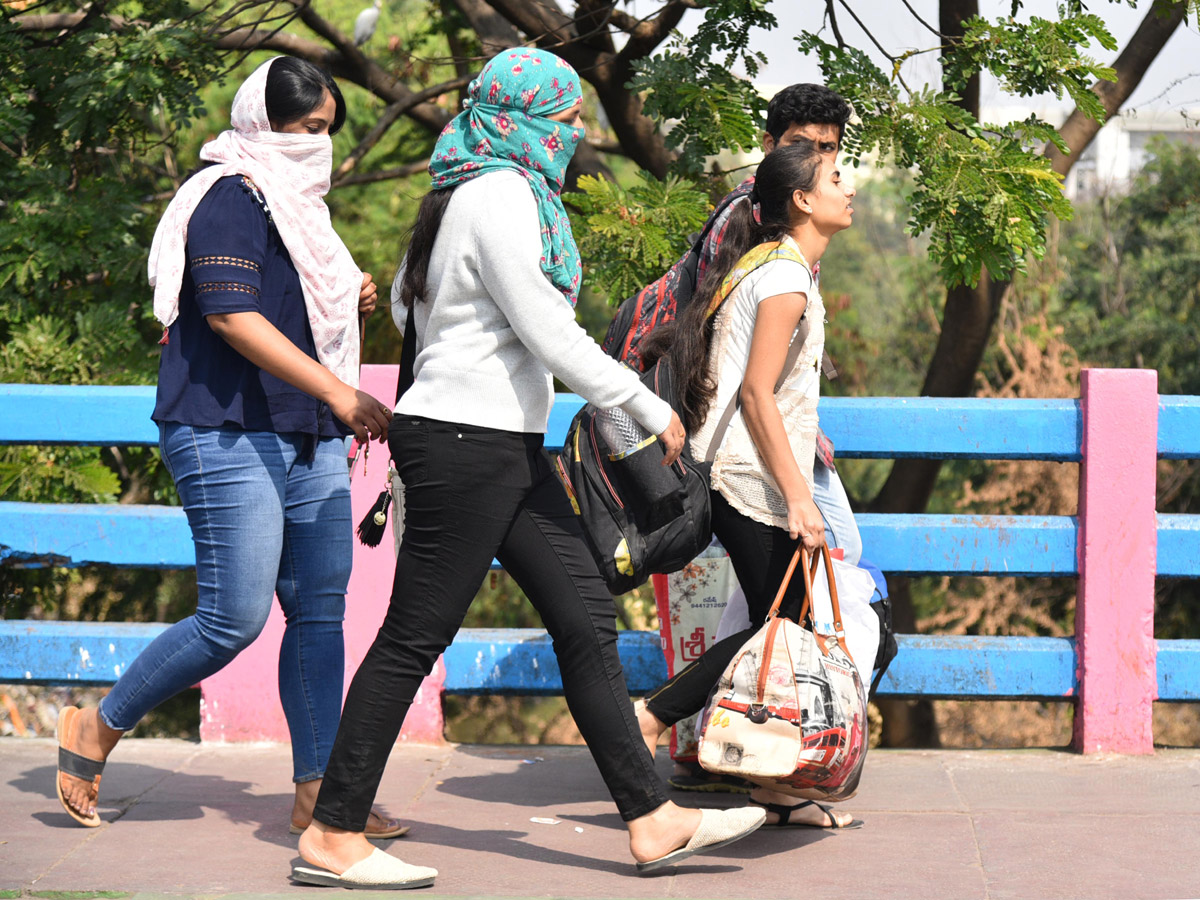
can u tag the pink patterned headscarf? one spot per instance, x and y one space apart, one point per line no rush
292 171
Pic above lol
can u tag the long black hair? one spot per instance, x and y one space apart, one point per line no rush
420 245
785 170
295 87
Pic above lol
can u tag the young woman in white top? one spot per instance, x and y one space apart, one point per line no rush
491 277
762 471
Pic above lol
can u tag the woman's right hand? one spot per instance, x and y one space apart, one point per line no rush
673 439
362 413
805 522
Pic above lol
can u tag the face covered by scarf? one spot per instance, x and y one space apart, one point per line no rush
292 171
504 125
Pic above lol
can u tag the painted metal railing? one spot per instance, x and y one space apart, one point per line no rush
1113 669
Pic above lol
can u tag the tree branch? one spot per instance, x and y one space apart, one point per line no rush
831 13
385 174
609 147
647 34
60 21
544 23
388 118
495 32
1160 23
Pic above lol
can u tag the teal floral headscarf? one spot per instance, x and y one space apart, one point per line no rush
503 126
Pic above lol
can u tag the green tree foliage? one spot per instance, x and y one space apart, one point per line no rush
88 116
84 115
1131 297
982 192
694 81
630 236
1133 285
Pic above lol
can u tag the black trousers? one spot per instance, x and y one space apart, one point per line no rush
760 555
472 494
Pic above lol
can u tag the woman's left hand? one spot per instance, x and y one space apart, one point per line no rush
673 440
367 296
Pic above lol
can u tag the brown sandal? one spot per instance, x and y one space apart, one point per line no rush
70 763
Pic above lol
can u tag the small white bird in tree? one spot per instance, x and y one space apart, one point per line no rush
364 23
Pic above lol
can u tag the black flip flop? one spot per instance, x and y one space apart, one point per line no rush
709 783
785 816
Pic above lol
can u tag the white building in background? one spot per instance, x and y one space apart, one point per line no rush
1121 148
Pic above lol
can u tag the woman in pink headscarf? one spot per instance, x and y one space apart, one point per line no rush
260 303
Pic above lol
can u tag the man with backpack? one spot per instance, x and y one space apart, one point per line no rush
802 111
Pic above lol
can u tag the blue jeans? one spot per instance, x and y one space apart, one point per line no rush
840 528
270 515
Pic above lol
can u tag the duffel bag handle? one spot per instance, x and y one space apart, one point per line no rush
809 568
810 572
787 578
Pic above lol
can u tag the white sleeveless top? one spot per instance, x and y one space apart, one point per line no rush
738 471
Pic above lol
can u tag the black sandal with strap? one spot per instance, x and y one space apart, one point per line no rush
784 812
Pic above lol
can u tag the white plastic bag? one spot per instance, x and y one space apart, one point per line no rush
688 617
855 588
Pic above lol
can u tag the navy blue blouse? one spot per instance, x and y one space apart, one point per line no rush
236 262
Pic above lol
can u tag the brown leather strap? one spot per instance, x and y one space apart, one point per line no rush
787 577
810 571
764 664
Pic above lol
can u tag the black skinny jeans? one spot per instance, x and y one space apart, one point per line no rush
472 494
760 555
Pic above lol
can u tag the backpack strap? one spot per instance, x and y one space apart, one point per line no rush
731 407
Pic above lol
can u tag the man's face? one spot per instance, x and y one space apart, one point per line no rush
824 136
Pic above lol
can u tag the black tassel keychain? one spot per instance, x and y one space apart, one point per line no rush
371 528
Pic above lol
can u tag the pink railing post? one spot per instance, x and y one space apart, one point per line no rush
1114 614
241 702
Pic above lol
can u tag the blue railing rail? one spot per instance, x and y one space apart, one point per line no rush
521 662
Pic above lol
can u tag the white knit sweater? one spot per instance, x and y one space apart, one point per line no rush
495 329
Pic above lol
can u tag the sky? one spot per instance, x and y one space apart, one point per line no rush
1172 81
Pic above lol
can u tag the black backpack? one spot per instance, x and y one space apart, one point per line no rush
638 516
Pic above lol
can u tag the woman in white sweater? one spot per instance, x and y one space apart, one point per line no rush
491 278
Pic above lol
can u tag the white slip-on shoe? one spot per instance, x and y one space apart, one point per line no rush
718 828
378 872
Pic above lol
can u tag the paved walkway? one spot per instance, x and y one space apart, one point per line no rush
211 821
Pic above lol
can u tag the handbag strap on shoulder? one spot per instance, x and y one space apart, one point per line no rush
757 256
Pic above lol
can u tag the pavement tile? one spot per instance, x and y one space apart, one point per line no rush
912 780
1098 857
1069 783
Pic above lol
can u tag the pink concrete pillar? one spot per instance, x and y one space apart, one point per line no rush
241 702
1114 615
